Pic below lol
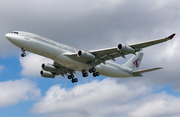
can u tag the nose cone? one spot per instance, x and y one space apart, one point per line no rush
12 38
8 36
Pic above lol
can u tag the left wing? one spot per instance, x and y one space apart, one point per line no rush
62 70
51 70
100 56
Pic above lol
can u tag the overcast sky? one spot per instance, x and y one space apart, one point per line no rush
91 25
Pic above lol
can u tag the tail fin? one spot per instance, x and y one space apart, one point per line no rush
135 61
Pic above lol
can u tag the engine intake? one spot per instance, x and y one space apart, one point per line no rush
47 74
125 48
85 55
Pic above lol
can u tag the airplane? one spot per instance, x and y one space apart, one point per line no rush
67 59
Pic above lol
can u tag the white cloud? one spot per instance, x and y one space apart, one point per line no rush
1 68
15 91
32 64
158 105
107 98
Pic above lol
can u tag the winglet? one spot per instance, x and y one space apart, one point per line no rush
171 36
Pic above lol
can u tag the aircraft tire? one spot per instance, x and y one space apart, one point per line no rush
97 73
72 80
72 76
69 76
94 74
75 80
23 54
85 74
90 71
93 69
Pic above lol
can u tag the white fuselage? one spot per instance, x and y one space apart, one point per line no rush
54 50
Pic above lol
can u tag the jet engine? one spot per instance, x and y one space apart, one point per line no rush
49 67
85 55
125 48
47 74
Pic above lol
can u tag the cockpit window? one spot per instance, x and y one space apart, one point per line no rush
15 32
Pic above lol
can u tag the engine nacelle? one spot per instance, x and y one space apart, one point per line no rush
47 74
49 67
85 55
125 48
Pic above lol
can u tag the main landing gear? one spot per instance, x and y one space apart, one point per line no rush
73 80
84 74
23 50
93 70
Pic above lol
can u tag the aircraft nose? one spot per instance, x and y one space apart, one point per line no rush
7 36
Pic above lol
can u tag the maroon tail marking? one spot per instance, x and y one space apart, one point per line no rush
136 63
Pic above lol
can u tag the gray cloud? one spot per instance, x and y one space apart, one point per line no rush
97 24
100 24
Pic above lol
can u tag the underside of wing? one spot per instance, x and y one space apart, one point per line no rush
62 70
51 70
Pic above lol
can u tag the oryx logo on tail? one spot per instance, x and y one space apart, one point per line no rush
136 63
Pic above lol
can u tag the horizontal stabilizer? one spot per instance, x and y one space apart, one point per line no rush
139 72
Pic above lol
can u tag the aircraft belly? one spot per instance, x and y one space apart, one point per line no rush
70 63
110 71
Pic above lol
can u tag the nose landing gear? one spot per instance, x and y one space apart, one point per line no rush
23 54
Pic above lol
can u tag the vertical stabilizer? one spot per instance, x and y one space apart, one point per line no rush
135 61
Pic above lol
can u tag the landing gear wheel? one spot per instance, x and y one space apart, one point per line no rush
93 69
23 54
90 71
85 74
72 80
94 74
69 76
72 76
75 80
97 73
